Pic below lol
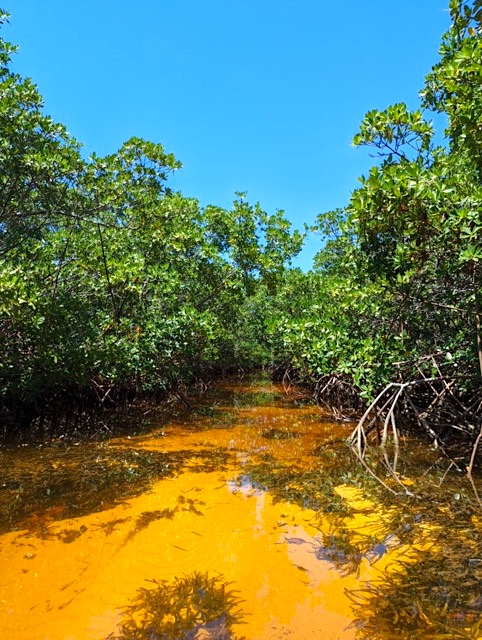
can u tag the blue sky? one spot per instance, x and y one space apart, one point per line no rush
261 96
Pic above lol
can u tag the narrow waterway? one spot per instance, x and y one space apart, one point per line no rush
245 518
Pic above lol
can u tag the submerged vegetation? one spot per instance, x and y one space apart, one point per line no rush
432 590
432 536
70 482
193 607
424 600
115 291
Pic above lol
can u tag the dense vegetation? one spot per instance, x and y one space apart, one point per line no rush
395 294
112 286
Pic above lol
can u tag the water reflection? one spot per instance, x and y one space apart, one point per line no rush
246 518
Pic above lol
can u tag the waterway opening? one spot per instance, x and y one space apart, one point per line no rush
246 518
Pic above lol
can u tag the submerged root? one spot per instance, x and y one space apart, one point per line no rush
444 415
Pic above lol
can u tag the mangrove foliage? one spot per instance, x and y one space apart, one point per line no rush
114 287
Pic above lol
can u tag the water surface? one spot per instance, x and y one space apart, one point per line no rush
254 494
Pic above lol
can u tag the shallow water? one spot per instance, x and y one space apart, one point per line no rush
254 489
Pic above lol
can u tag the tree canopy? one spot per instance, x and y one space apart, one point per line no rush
112 285
395 293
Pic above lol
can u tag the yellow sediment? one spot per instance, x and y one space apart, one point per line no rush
56 590
71 580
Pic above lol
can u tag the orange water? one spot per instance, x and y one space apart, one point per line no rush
72 581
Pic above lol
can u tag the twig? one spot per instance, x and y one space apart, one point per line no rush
372 473
471 465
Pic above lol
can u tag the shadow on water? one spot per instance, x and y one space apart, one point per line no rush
42 484
39 487
431 590
434 589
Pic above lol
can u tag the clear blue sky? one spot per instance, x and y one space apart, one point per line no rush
261 96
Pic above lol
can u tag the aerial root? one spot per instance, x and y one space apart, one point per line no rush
431 403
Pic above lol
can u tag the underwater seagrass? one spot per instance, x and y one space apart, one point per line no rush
191 607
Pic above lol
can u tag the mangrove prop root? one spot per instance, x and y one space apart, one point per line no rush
433 405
